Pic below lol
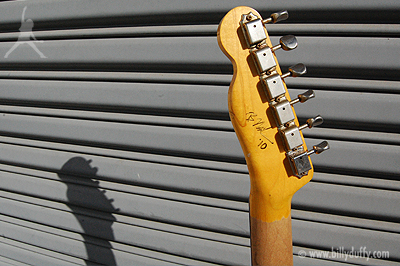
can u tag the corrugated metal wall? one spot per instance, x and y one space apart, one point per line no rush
117 148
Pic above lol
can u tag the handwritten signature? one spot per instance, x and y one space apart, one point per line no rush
258 123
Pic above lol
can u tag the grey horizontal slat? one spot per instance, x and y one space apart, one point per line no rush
351 156
79 174
73 245
188 142
354 135
11 262
336 84
207 144
321 133
364 85
375 160
296 215
375 165
24 255
240 262
176 230
342 220
384 196
146 31
174 212
351 107
175 244
65 10
211 30
325 236
378 240
335 29
176 78
34 215
79 150
166 50
218 125
229 167
212 185
302 197
197 52
357 181
339 52
318 132
169 177
321 229
166 98
360 202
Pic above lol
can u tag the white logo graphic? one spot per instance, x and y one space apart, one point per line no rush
25 36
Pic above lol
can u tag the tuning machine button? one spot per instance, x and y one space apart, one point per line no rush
295 71
287 43
300 161
312 122
277 16
301 98
319 148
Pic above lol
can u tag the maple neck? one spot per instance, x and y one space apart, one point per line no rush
268 130
271 243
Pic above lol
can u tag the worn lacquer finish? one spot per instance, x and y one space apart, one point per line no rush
272 181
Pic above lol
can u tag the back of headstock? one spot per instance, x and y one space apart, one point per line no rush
261 109
263 116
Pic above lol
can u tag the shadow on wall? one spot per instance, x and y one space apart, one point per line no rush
97 233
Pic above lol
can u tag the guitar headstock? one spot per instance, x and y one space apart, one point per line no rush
262 112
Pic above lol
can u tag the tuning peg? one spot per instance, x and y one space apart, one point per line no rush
287 43
319 148
312 122
295 71
276 17
303 97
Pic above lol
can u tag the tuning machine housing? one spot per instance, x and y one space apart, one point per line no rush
263 54
282 107
253 29
300 161
273 82
253 26
291 133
